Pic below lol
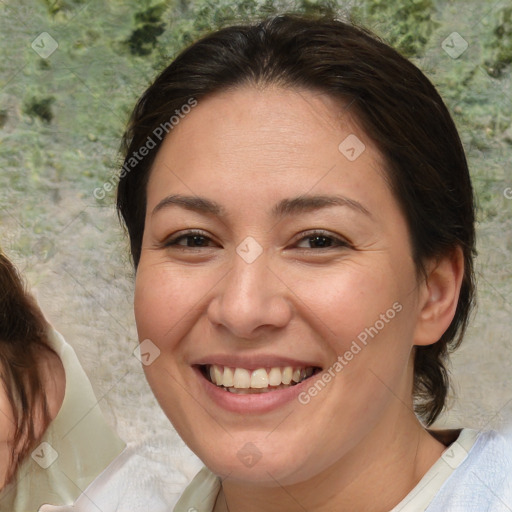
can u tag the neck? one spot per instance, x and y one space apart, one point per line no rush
374 476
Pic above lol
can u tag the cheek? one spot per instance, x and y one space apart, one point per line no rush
343 302
163 299
163 304
151 304
362 315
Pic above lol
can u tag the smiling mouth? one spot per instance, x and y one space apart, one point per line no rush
261 380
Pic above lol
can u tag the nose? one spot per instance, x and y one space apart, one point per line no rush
250 299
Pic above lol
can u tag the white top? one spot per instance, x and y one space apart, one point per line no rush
427 488
144 478
482 481
474 474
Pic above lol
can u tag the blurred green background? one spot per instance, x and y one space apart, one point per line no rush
70 73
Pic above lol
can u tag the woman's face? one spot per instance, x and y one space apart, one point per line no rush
274 248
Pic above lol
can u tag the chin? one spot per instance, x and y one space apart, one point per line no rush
256 462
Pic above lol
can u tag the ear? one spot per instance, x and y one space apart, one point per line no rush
439 297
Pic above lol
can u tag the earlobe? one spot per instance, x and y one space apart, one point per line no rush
440 298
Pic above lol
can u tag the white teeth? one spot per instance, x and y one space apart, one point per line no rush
274 377
218 373
241 378
227 378
259 379
251 391
287 375
262 379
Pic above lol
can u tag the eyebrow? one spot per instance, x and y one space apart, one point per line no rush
285 207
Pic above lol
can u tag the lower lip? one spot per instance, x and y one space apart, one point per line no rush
251 403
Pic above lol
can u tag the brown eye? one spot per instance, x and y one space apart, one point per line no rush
323 240
192 239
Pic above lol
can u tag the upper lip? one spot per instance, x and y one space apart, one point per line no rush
253 362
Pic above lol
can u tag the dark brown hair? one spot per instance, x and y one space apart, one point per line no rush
395 104
23 342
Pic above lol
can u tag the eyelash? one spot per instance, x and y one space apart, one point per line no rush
338 242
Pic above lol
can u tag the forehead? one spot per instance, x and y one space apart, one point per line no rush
269 143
